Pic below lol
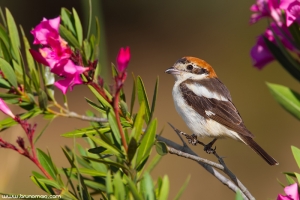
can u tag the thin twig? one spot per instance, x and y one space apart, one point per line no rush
184 150
86 118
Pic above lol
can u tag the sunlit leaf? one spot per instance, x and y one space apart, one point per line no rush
164 192
238 195
296 153
142 97
85 131
135 193
66 18
148 188
287 98
13 35
8 72
119 189
46 162
78 26
139 122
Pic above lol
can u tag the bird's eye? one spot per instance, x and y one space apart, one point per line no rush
189 67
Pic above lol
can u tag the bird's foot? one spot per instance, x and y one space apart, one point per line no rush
208 147
192 139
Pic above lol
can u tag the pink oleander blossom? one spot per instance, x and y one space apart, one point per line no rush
5 109
291 192
260 53
265 8
46 30
292 11
71 74
123 59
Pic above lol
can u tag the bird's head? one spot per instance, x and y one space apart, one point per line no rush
191 68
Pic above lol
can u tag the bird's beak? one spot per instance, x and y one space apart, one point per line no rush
172 70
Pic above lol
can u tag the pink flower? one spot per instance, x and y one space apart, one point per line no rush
291 192
265 8
71 74
46 30
5 109
292 11
260 54
123 59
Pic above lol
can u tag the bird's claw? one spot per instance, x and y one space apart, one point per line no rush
208 149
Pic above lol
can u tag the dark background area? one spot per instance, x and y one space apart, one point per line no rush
158 34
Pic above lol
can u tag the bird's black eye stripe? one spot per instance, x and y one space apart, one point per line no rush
189 67
200 71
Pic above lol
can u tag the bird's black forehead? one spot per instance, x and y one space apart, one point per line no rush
182 60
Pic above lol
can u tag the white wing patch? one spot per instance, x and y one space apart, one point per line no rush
209 113
203 91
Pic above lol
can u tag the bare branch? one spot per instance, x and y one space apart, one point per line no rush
186 152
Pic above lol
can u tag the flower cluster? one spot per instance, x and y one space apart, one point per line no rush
282 14
56 54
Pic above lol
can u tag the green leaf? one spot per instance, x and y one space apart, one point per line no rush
87 50
107 145
109 185
133 94
90 172
147 143
297 176
50 182
18 72
78 26
41 133
139 122
183 187
132 147
161 148
164 192
46 162
289 179
13 35
238 195
296 153
4 84
147 187
287 98
142 97
154 98
8 72
132 188
4 51
289 63
119 189
66 18
108 162
69 37
43 100
94 185
41 185
85 131
4 37
114 126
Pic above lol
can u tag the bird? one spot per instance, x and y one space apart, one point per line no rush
206 106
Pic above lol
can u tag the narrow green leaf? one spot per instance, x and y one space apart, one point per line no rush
104 144
238 195
50 182
13 35
41 133
4 84
284 59
2 17
4 51
154 98
99 97
107 162
147 187
8 72
161 148
86 171
133 94
18 72
164 192
6 96
119 189
289 179
287 98
139 122
29 58
87 49
85 131
98 32
142 97
46 162
4 37
109 185
132 147
66 18
297 176
183 187
114 126
69 37
41 185
78 26
296 153
43 100
135 193
147 143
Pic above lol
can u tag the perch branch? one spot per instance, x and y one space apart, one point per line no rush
185 151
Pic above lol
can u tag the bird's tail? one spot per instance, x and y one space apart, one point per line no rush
251 143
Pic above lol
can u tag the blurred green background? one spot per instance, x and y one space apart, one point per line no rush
158 34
